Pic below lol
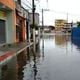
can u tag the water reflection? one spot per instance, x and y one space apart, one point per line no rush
9 70
21 61
30 65
13 68
61 40
76 42
35 67
42 48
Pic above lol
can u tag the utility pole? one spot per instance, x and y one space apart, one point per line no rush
43 26
42 19
67 24
67 17
33 18
42 29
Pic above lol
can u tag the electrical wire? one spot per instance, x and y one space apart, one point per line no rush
27 5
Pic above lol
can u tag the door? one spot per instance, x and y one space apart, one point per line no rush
2 31
27 30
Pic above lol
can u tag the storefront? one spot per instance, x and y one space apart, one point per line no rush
20 26
2 27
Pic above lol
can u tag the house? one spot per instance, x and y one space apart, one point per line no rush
7 21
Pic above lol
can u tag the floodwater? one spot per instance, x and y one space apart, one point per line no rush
57 58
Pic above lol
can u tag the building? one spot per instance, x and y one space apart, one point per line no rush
7 21
26 4
14 22
59 24
37 28
22 22
67 28
36 18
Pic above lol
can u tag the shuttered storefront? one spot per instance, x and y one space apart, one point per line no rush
2 31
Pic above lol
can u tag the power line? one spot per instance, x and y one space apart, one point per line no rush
27 5
62 12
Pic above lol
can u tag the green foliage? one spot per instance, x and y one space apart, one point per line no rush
78 24
34 26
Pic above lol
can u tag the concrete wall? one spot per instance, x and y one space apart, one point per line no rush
10 27
9 16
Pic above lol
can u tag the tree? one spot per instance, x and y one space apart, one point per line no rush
35 26
78 24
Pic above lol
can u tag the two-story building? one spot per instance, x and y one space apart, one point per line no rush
7 21
15 21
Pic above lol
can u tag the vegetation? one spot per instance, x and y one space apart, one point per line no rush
35 26
78 24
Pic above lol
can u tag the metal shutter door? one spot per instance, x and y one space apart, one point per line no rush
2 31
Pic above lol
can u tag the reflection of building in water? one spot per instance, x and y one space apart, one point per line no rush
61 39
0 73
13 69
9 70
4 72
35 68
21 61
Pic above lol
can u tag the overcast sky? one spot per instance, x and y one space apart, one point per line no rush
59 10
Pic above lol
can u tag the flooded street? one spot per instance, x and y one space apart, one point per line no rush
58 58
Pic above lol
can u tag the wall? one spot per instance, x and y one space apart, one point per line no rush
36 18
8 3
2 15
75 33
10 27
9 16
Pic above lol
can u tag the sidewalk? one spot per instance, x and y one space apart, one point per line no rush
7 51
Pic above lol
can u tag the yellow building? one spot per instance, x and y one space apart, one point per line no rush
59 24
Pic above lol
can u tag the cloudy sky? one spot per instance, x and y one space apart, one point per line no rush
60 9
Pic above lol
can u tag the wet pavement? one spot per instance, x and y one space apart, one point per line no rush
57 58
7 51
